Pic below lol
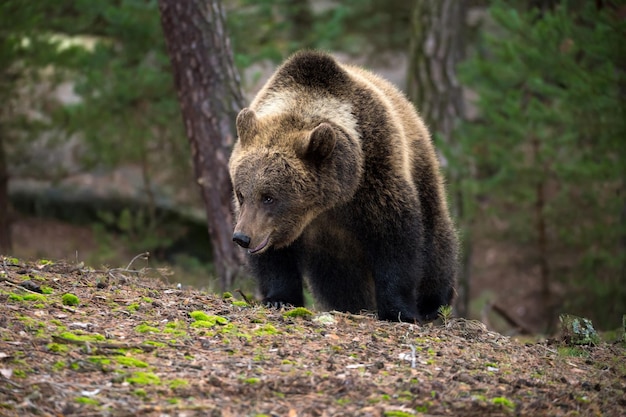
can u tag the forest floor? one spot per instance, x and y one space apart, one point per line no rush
130 344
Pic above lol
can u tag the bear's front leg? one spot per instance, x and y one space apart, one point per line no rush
397 270
279 279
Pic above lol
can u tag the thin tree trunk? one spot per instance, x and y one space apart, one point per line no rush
210 97
437 46
5 225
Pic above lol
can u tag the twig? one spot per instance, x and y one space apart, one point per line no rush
145 255
512 321
243 296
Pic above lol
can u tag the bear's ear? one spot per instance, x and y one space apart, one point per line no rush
247 125
319 144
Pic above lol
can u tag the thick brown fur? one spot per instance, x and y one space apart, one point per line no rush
336 181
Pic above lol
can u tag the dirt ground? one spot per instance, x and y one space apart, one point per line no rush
129 344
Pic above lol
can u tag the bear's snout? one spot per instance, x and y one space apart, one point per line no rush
241 239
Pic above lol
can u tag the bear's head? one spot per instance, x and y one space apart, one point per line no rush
285 172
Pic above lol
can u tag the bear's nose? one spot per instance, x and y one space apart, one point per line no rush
241 239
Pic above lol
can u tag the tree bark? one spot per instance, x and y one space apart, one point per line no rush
210 97
5 225
437 46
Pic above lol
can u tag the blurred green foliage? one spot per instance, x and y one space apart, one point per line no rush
273 29
549 149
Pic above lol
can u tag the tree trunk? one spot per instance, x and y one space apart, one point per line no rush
209 94
5 225
437 46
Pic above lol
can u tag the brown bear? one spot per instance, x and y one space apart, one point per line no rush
336 182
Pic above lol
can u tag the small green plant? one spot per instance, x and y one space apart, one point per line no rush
70 300
445 313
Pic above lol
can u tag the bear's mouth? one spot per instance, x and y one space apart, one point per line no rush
261 246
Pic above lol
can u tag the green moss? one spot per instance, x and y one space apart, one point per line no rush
147 300
203 320
298 312
96 337
240 303
70 300
153 343
15 297
173 400
503 401
227 295
57 347
19 373
43 262
231 329
133 307
178 383
144 378
140 392
12 261
99 360
175 328
572 351
34 297
46 290
146 328
130 361
251 381
397 413
86 400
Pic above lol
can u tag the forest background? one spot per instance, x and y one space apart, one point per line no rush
525 101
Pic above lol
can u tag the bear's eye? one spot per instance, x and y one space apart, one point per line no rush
267 199
240 197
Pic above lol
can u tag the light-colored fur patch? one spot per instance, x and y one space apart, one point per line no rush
309 106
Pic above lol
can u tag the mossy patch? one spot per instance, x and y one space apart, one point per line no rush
503 401
237 303
130 361
87 400
143 378
95 337
69 299
266 330
298 312
35 297
57 347
178 383
204 320
146 328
